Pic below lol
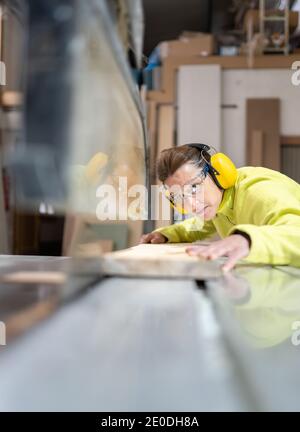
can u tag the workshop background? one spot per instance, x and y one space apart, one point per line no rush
94 90
218 72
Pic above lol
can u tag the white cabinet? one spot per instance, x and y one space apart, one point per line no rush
212 104
239 85
198 102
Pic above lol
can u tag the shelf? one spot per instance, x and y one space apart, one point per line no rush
274 49
274 18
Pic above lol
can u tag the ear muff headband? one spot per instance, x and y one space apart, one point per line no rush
176 207
220 167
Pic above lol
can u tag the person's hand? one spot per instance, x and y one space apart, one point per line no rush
235 247
154 237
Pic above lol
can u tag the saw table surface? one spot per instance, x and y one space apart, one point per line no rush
151 344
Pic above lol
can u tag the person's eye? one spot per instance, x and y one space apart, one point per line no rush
194 188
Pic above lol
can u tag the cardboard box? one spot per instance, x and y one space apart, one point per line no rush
197 44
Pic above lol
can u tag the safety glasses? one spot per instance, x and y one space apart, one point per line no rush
180 195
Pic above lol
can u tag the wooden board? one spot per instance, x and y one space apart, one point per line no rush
263 132
166 125
152 137
165 140
159 260
34 277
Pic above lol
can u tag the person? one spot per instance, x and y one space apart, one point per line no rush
254 210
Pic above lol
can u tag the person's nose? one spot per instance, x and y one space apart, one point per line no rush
190 204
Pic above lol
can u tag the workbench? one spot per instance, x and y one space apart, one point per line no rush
82 341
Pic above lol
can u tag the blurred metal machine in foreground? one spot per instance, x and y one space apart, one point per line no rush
78 341
83 115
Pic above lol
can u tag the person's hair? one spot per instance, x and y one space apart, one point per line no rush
170 160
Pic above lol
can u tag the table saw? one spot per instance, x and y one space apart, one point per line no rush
148 328
92 342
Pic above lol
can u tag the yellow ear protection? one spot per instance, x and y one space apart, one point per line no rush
221 168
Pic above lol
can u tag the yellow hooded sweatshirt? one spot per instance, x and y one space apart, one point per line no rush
265 205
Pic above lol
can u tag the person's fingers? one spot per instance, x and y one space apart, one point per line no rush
232 260
231 247
157 239
197 250
218 251
153 238
210 252
145 238
194 250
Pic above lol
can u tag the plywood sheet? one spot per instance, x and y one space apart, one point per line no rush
165 140
159 260
263 119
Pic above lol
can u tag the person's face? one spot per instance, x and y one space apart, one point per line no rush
208 197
